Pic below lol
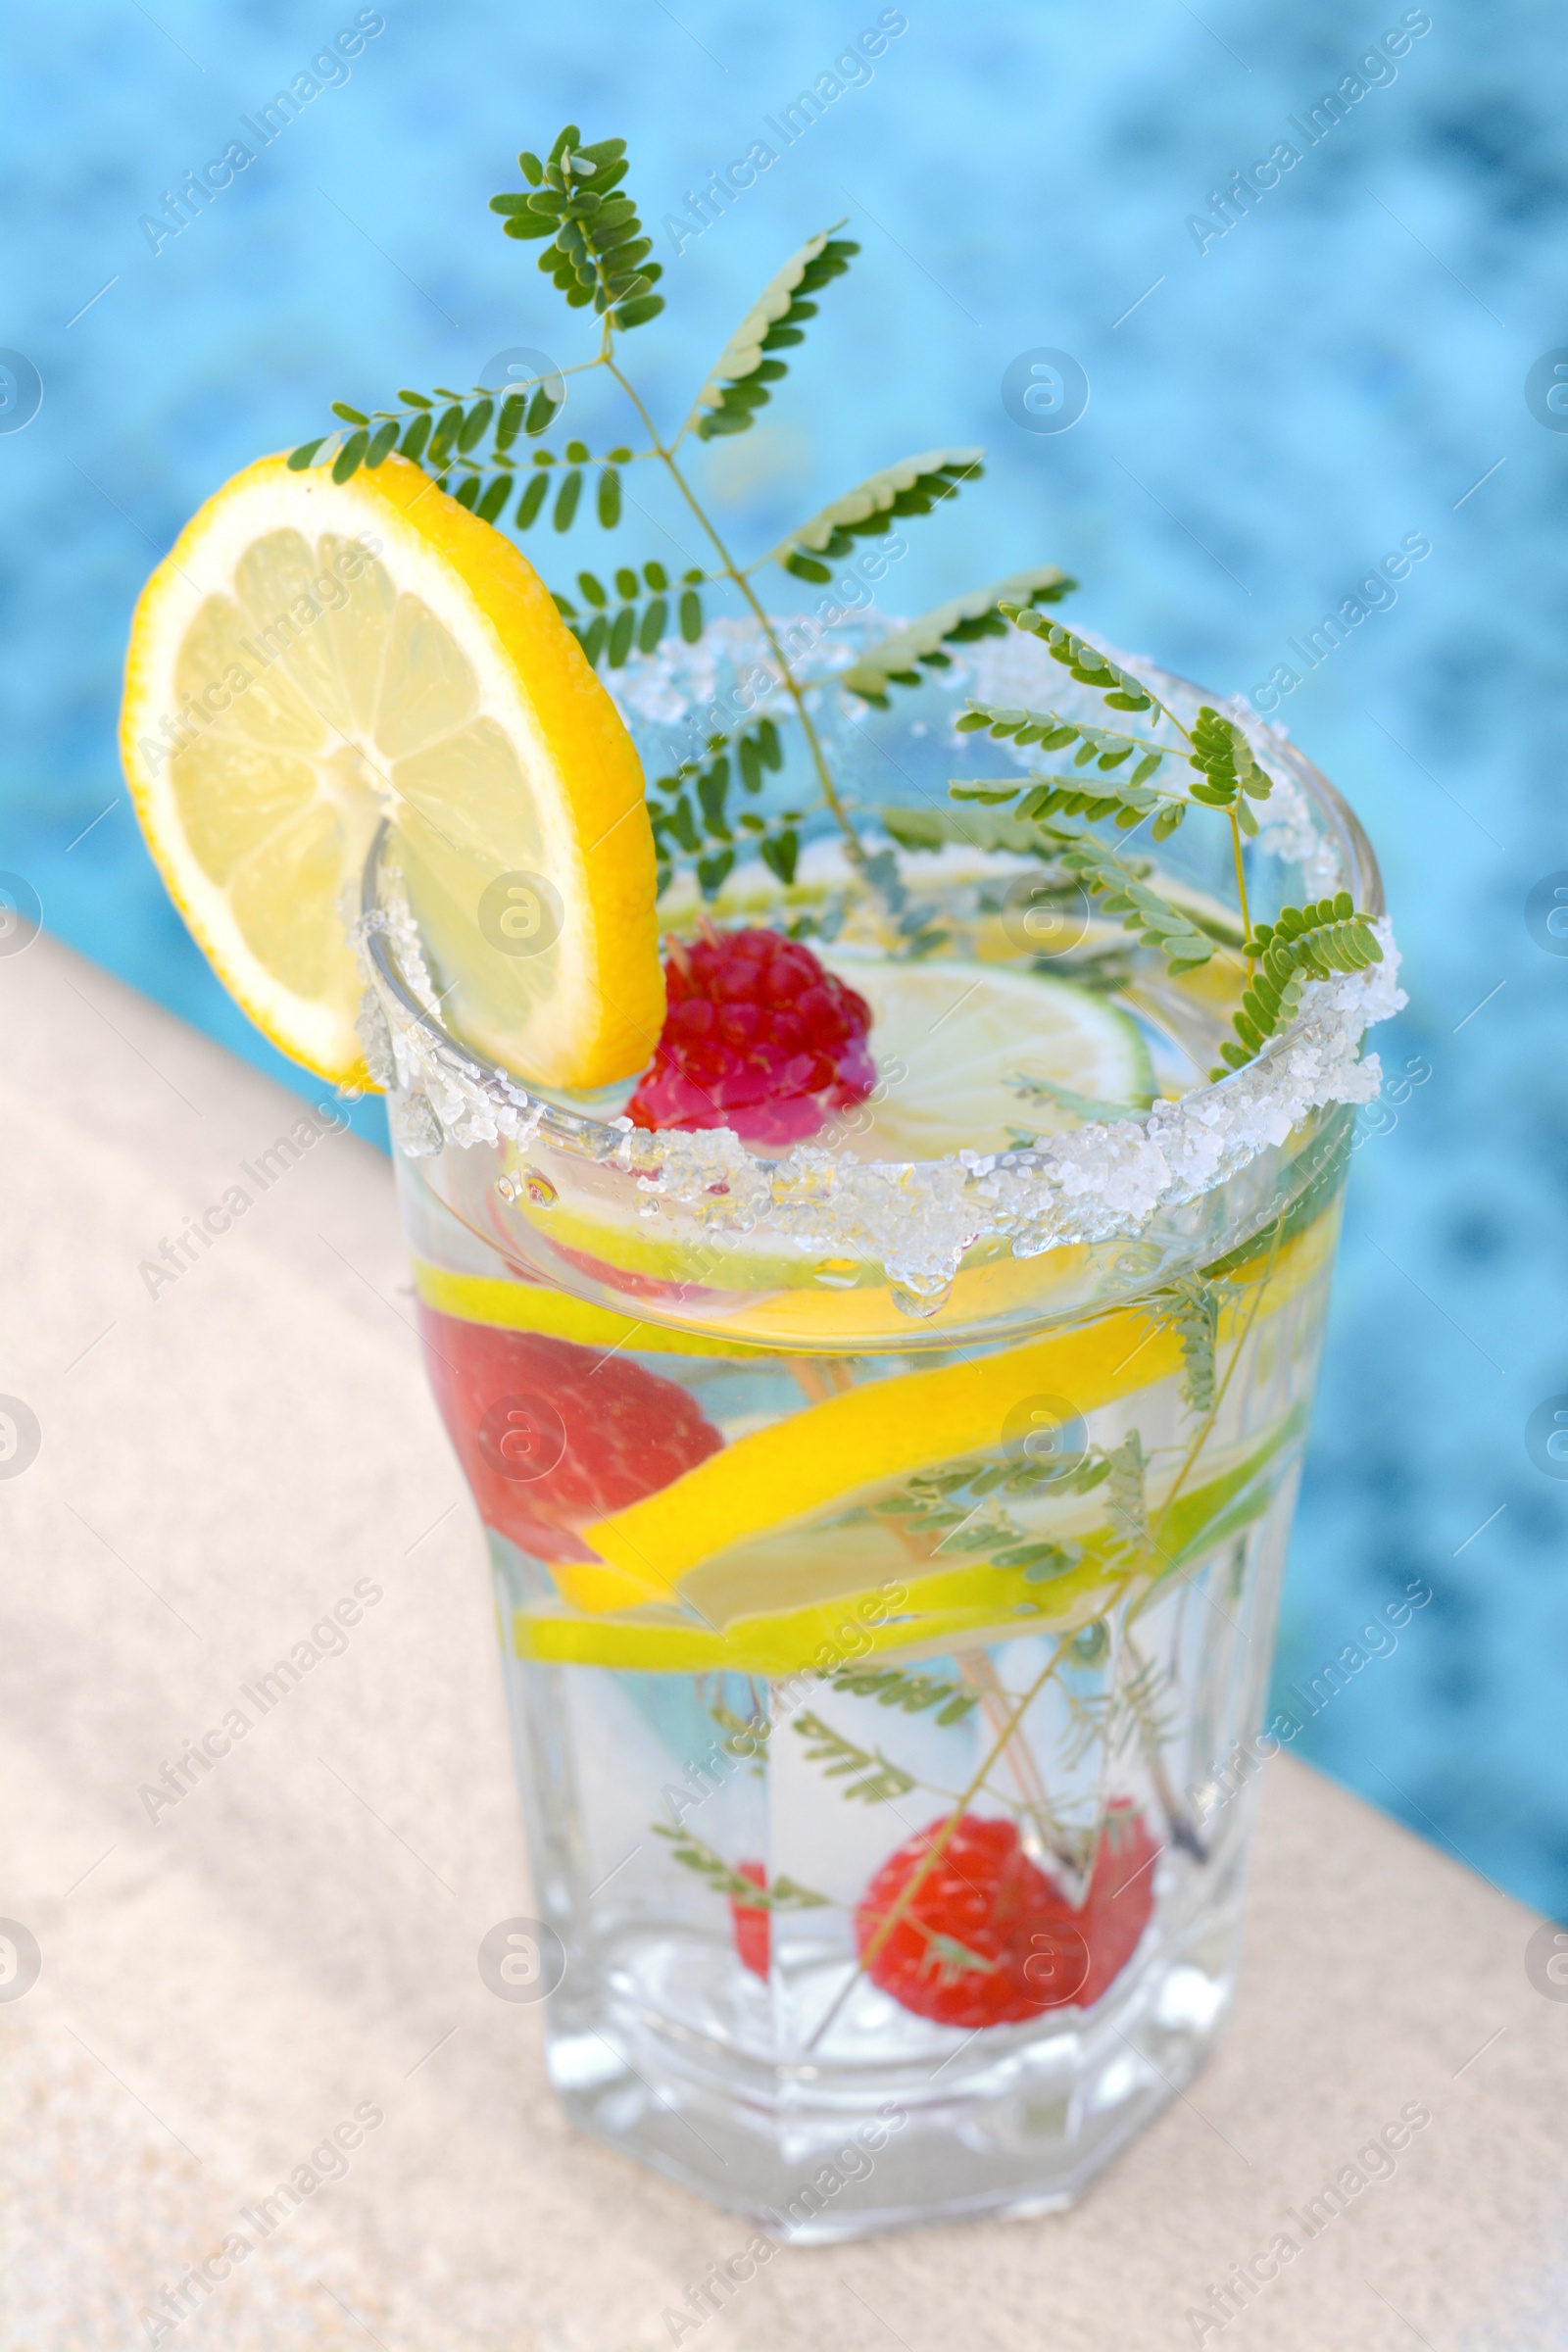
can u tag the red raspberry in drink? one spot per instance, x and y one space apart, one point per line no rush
753 1937
551 1436
988 1938
759 1037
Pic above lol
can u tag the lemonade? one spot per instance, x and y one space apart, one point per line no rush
886 1610
870 1104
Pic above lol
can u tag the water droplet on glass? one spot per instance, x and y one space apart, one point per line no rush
915 1302
835 1273
507 1189
1090 1645
539 1191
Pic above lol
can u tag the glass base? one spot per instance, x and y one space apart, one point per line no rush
1016 2121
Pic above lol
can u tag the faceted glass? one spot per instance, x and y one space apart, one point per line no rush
887 1551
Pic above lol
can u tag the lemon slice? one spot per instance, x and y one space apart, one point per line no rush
951 1042
972 1603
827 1455
512 1305
782 1476
907 1610
313 656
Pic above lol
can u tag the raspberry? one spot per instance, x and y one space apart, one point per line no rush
988 1939
753 1940
551 1434
759 1037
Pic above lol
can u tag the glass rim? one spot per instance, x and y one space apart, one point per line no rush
600 1137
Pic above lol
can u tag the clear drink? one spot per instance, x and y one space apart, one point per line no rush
887 1532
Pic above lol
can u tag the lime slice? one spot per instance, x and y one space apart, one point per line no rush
951 1043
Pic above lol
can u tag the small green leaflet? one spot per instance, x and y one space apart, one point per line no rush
912 487
1302 944
874 1780
896 661
598 253
1191 1309
1126 1501
782 1894
894 1687
745 368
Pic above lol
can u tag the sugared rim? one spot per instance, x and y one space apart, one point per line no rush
580 1131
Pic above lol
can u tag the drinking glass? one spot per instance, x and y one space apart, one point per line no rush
887 1551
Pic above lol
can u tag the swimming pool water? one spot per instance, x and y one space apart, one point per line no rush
1270 412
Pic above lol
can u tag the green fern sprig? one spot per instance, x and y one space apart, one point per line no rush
1118 885
597 256
1108 747
610 635
1087 664
1063 1098
742 381
1230 772
900 658
1304 943
913 486
1217 747
781 1895
869 1776
1127 1501
931 828
697 810
574 204
912 1694
597 252
1125 801
1189 1307
1039 1560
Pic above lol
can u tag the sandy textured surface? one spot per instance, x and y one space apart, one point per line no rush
295 1939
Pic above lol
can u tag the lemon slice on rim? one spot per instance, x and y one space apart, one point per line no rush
952 1042
313 656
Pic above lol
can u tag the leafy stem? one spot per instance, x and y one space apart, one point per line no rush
1241 886
599 256
1215 746
737 578
1238 1348
783 1894
899 1908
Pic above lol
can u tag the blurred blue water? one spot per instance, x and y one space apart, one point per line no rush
1277 412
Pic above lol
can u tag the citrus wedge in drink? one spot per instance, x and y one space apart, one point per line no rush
969 1054
312 657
